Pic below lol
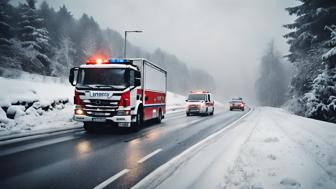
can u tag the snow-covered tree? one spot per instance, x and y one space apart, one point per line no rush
307 39
321 101
6 34
34 38
307 44
63 58
271 87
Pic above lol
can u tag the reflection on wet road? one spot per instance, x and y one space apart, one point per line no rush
109 158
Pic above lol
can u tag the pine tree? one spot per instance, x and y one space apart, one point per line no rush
64 58
271 87
50 22
34 38
6 30
307 40
321 101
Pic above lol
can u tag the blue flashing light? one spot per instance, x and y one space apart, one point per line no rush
119 61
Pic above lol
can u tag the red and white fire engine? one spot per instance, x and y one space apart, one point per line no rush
124 92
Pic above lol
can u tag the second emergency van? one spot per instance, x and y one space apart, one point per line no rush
200 103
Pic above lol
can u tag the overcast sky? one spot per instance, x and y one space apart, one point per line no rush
224 37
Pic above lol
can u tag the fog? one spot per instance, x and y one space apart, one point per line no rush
226 38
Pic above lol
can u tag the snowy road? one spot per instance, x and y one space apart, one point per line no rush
110 158
268 149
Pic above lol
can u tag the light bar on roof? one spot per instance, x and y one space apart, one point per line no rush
106 61
200 92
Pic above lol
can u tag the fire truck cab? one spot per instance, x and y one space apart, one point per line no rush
200 102
123 92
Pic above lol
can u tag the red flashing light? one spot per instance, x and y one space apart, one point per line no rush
98 61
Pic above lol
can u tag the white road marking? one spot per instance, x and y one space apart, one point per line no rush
111 179
149 156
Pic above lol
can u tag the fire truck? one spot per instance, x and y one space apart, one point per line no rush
123 92
200 102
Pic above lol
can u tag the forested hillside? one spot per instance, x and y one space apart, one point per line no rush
40 39
312 43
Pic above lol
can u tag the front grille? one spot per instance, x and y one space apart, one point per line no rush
100 108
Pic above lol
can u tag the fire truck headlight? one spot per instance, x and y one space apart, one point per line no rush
123 112
79 112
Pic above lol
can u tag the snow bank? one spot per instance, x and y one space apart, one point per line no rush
268 149
18 91
175 102
35 102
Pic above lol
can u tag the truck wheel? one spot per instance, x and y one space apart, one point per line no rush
213 110
89 127
136 126
159 119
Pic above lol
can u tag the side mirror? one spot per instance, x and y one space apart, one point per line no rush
146 98
137 81
73 75
186 100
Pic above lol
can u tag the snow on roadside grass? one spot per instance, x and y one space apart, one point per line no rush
268 149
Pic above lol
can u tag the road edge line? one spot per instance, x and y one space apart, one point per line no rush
111 179
149 155
156 177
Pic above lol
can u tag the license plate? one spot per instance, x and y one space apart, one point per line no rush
98 119
99 113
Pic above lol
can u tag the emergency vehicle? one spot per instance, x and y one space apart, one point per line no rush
124 92
200 102
237 103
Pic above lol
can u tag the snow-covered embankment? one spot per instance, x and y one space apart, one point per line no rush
268 149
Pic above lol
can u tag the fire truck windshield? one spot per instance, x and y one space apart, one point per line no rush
196 97
102 77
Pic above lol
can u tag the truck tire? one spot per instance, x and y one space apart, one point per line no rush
159 119
136 126
89 127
